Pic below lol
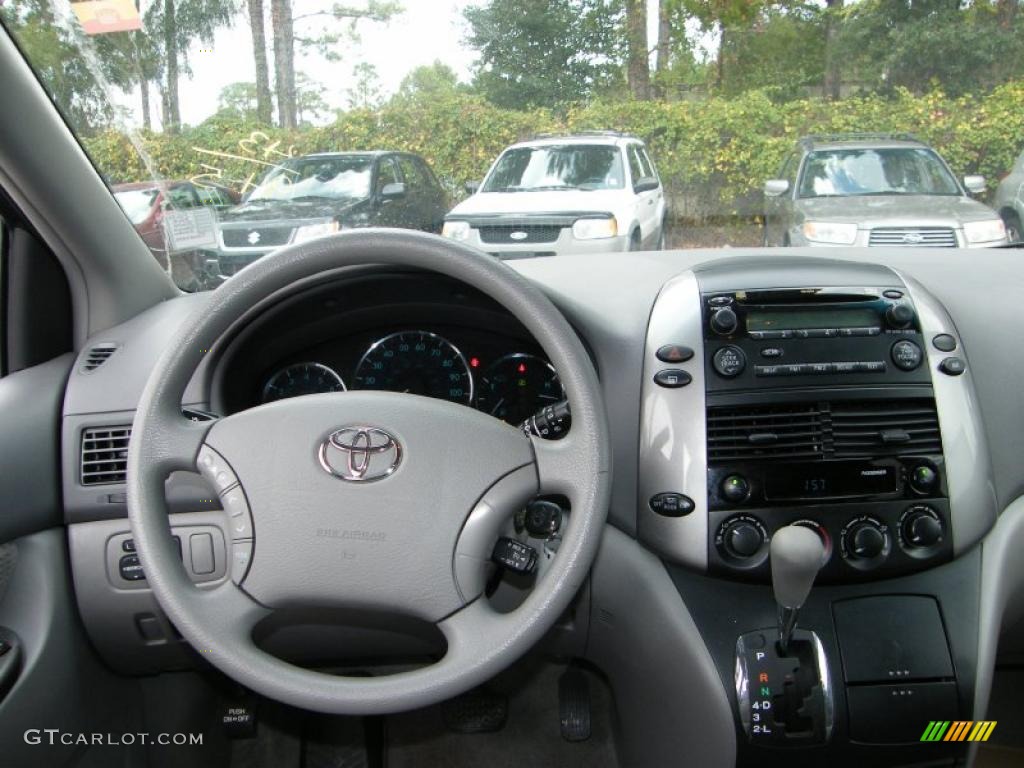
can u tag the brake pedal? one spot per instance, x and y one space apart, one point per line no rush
574 704
477 711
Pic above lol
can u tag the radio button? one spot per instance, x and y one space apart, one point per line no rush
892 294
771 352
724 321
756 335
906 355
871 366
794 369
729 362
768 370
818 333
846 367
900 316
872 331
772 335
821 368
944 342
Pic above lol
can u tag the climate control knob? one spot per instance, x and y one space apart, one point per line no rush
921 528
865 542
724 321
741 538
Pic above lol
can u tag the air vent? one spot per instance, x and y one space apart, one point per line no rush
885 428
105 455
838 430
97 356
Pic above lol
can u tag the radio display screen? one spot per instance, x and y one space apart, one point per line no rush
830 480
773 320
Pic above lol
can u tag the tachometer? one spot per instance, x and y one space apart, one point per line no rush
515 387
418 362
302 379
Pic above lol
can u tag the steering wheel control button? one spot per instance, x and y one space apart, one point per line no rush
906 355
672 378
952 366
735 488
674 353
240 527
542 519
201 547
729 362
944 342
671 504
216 470
514 555
234 502
241 557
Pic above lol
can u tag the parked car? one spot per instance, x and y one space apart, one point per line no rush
145 202
1009 201
565 194
875 190
322 193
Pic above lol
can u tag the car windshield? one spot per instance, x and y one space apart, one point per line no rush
328 178
531 169
137 203
902 171
676 123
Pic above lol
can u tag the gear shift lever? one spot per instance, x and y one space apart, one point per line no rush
796 557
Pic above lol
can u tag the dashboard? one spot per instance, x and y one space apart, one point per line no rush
434 339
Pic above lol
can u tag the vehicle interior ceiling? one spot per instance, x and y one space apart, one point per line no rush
383 499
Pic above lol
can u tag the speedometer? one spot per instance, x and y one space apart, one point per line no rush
302 379
418 362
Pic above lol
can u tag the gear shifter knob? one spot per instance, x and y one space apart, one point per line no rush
797 554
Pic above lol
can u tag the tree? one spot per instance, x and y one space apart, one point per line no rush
309 99
545 53
429 81
264 108
638 70
327 41
832 83
728 17
239 99
365 93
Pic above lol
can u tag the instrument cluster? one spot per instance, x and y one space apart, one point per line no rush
499 377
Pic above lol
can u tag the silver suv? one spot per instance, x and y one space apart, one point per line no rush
1009 201
875 190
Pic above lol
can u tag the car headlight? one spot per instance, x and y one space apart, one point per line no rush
833 232
309 231
595 229
456 230
988 231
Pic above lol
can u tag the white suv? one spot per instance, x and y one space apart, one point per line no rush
583 193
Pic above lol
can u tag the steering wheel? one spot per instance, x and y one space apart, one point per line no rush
376 501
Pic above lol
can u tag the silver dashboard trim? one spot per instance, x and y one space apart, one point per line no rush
971 489
673 447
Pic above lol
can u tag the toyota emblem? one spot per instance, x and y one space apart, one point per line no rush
360 454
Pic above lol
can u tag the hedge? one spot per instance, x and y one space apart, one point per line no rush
713 154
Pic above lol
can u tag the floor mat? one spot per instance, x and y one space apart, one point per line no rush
531 736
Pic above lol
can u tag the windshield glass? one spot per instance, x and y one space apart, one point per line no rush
316 179
137 203
527 169
876 172
676 123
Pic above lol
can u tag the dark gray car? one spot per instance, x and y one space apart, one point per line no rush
315 195
875 190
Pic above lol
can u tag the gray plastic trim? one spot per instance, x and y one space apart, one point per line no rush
972 494
673 446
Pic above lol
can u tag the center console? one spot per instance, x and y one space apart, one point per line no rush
835 397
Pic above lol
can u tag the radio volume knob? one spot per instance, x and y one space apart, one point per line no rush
900 315
724 321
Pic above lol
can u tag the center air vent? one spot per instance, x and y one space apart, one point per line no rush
826 430
97 356
105 455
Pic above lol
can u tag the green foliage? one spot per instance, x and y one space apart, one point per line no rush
713 155
545 53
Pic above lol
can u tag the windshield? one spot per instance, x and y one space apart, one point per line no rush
677 123
316 179
528 169
137 203
876 172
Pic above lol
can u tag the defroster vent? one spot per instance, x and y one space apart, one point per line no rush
105 455
97 356
824 430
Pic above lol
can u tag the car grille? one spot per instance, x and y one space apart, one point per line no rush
269 237
913 237
529 233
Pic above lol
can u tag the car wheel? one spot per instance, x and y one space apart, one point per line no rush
1013 227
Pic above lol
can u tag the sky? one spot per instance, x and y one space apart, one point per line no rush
427 31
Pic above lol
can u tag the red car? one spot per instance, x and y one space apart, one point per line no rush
144 203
